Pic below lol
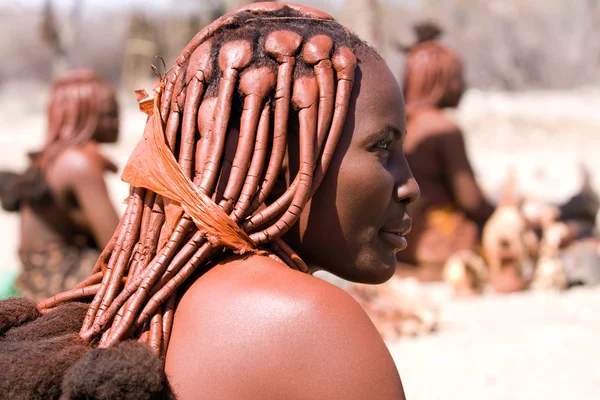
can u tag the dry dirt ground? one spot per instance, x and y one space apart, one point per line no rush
523 346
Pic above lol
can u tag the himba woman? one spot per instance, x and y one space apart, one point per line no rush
273 148
452 209
66 216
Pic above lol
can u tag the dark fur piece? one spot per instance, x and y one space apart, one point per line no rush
16 311
128 370
33 369
5 178
8 199
26 188
43 357
65 319
36 350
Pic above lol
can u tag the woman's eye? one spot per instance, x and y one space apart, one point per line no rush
385 144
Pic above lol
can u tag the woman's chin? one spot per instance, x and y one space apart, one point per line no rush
373 274
381 275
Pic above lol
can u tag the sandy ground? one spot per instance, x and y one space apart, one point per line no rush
524 346
518 347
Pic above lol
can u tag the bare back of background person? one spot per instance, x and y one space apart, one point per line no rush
66 214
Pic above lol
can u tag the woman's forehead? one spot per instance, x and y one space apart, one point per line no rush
377 98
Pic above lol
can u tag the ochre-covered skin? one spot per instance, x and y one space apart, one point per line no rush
452 209
61 236
298 173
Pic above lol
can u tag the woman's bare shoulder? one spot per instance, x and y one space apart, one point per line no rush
76 163
267 331
80 165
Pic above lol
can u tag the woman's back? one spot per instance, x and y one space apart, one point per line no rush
450 202
62 218
429 134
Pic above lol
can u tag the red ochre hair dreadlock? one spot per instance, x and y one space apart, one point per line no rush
240 81
433 75
74 110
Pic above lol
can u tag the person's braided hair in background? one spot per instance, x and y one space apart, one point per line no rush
206 185
433 75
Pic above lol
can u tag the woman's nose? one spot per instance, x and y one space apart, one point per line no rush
408 192
407 189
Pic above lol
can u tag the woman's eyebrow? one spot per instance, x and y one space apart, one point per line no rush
388 130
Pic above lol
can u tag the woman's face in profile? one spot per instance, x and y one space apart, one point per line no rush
354 225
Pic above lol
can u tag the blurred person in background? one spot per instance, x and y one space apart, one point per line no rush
452 208
66 215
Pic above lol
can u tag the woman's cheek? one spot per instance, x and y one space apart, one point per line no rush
366 187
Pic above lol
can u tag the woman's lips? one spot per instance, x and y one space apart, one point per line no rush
397 240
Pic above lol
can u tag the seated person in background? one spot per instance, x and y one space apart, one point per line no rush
452 209
65 211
